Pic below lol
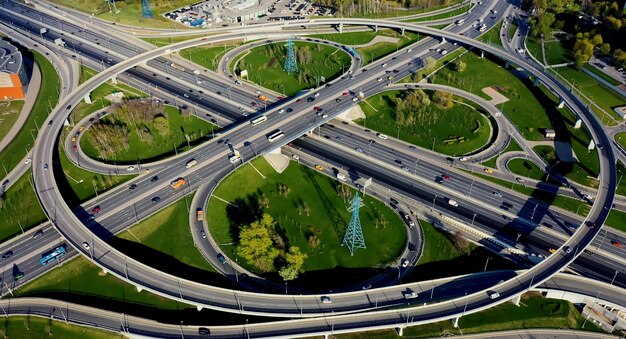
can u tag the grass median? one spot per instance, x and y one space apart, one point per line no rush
31 327
513 146
526 169
10 112
381 49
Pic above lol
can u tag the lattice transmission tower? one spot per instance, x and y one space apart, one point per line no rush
290 61
354 235
145 9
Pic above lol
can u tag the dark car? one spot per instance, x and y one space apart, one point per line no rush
155 200
393 201
411 247
221 258
7 255
204 331
132 187
38 234
154 179
96 209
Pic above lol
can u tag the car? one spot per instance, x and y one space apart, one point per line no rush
298 100
411 247
439 180
405 263
324 116
616 243
203 235
289 110
547 224
383 65
453 203
358 149
317 108
507 204
81 128
132 187
38 234
130 168
96 209
367 287
45 167
86 245
310 99
204 331
463 159
404 168
154 179
73 138
281 111
338 138
75 148
7 255
316 95
393 201
591 224
326 300
382 136
221 258
520 179
567 249
345 94
497 194
28 160
445 177
319 167
493 295
488 170
155 200
552 250
237 82
379 79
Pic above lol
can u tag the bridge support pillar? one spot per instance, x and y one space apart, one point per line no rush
516 300
114 79
340 28
536 82
443 40
88 98
375 28
400 331
139 288
402 31
199 308
455 322
482 54
561 104
506 65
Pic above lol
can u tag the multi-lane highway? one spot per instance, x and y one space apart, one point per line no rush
71 227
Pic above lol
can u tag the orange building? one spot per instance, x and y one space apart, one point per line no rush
13 78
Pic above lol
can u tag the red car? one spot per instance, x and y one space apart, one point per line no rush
280 98
446 177
317 108
298 100
75 148
616 243
96 209
345 94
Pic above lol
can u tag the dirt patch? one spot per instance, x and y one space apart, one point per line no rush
496 97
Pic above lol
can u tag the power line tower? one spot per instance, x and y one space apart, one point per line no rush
145 9
354 235
290 61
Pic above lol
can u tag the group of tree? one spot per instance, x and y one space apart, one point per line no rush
262 246
374 7
592 27
411 107
110 135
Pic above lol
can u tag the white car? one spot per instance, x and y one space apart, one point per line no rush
281 111
383 65
295 157
405 263
326 300
130 168
28 160
86 245
382 136
316 95
494 295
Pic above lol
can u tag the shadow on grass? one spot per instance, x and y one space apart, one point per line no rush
166 263
189 315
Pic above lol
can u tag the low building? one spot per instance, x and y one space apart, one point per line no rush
549 133
13 77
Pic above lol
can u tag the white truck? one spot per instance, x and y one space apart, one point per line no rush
59 42
409 294
234 157
341 176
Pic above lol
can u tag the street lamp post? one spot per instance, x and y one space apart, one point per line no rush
473 217
615 276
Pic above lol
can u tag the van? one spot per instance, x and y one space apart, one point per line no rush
221 258
191 163
326 300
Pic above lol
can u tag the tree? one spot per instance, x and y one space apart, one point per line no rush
429 64
605 49
442 99
597 40
255 243
295 259
162 125
459 66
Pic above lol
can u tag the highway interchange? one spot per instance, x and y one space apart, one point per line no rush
213 165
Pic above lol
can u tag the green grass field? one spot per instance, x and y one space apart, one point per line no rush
557 52
20 209
327 220
48 96
621 139
492 36
161 145
381 49
597 92
129 12
440 124
207 57
445 15
422 72
31 327
511 147
355 38
10 112
621 185
265 66
584 172
526 168
512 28
534 47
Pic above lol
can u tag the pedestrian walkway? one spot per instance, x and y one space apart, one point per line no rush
29 102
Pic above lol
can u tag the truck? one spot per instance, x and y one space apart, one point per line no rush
177 66
200 214
262 98
178 183
409 294
453 203
59 42
234 157
341 176
191 163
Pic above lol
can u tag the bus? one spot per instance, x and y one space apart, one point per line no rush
178 67
258 120
275 135
53 255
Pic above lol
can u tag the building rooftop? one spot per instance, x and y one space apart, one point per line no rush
10 58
